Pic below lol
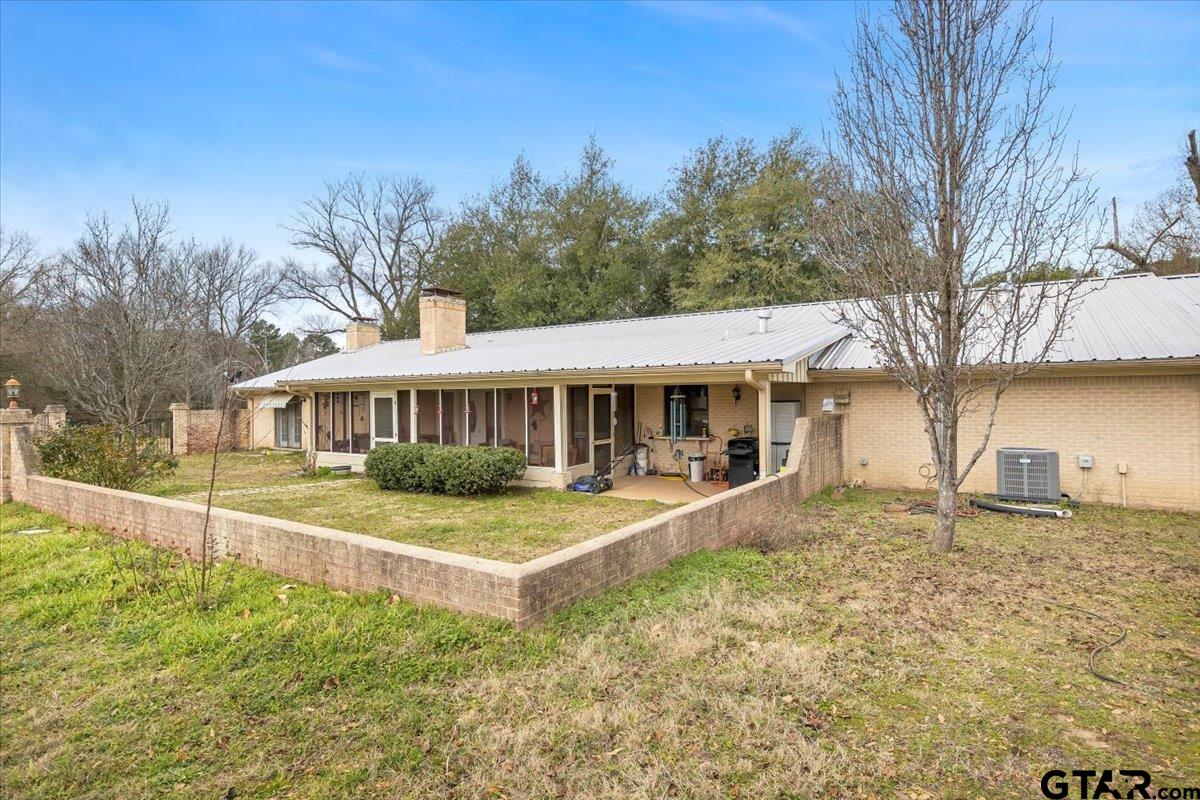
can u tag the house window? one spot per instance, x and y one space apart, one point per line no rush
511 418
685 411
481 416
287 424
385 429
428 427
540 400
579 441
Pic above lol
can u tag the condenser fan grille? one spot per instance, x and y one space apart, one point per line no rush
1027 473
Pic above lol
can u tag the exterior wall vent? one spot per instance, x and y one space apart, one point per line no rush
1027 473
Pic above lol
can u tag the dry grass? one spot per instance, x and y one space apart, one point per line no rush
838 659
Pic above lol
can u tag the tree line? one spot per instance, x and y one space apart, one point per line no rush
731 228
134 316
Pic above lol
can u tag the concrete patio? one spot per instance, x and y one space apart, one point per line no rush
662 489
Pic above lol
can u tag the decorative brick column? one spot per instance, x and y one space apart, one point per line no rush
179 428
56 416
11 419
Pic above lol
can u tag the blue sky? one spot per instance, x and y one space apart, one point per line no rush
234 112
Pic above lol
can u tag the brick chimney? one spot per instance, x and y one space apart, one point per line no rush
443 320
361 332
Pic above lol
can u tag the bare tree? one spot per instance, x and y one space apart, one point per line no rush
119 328
234 290
23 273
138 320
951 190
1171 223
377 237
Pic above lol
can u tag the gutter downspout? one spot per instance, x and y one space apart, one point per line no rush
764 422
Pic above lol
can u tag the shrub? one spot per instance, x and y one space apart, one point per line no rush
444 469
104 456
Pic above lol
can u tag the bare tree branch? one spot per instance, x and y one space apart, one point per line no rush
377 237
23 278
951 191
1172 220
138 321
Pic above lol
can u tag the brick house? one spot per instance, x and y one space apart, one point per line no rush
1123 386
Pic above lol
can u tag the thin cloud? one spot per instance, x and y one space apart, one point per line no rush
328 57
739 12
717 119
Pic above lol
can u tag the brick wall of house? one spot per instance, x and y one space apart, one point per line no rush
1151 423
723 414
261 423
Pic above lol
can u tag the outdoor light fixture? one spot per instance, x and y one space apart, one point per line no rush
737 393
12 390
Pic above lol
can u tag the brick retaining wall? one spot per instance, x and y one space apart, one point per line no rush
554 581
522 593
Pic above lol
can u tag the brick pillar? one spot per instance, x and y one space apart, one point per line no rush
11 419
56 417
179 429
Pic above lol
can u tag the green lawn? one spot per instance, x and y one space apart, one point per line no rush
835 659
234 471
515 525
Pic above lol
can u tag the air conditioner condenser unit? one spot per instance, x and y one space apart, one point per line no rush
1027 473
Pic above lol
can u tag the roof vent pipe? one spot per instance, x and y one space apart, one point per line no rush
764 316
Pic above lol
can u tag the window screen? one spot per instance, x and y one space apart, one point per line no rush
403 416
624 434
323 421
511 420
453 415
541 426
579 441
360 422
384 427
427 416
481 416
341 430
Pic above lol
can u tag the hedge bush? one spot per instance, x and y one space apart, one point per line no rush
444 469
103 456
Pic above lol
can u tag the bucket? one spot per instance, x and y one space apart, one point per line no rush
696 467
641 461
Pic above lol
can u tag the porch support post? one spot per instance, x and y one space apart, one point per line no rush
560 429
412 415
764 422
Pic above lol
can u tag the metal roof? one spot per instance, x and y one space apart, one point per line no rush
1123 318
1134 317
709 338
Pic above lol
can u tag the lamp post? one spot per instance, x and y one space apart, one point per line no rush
12 391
